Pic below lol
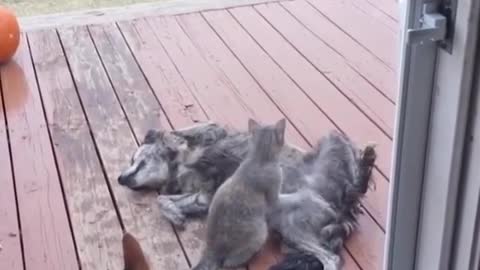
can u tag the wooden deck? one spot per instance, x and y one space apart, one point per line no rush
76 101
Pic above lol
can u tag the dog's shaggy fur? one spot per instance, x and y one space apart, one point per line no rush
321 192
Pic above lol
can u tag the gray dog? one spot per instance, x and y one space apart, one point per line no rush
320 195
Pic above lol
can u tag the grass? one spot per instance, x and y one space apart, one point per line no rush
39 7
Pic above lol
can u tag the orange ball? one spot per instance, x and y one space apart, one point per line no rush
9 34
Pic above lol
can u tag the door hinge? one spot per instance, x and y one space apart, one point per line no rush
436 25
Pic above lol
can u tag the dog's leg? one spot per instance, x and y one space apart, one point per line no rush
177 208
301 220
170 210
329 259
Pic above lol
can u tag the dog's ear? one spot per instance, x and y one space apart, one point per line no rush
152 136
187 137
132 254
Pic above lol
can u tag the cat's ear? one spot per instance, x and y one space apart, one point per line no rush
280 130
252 125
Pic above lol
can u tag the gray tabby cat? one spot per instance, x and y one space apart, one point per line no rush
237 221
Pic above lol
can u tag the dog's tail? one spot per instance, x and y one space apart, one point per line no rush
298 261
365 165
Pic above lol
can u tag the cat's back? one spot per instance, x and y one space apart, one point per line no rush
235 193
235 210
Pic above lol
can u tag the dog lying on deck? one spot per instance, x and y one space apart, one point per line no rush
320 196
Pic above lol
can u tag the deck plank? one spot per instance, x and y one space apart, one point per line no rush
116 144
168 85
225 80
46 233
222 100
389 7
379 15
339 109
335 67
329 99
364 62
264 70
377 38
10 241
270 76
96 226
138 101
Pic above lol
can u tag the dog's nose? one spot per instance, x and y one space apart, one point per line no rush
122 180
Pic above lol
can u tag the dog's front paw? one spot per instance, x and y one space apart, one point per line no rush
170 211
333 263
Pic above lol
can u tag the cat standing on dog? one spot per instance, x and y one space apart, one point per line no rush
320 195
237 220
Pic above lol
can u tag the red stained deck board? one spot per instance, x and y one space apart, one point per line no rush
287 95
116 144
329 99
377 13
353 54
138 101
376 37
46 234
96 226
389 7
223 100
168 85
335 67
233 80
263 68
10 241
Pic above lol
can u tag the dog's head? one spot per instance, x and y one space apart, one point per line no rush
133 256
154 163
